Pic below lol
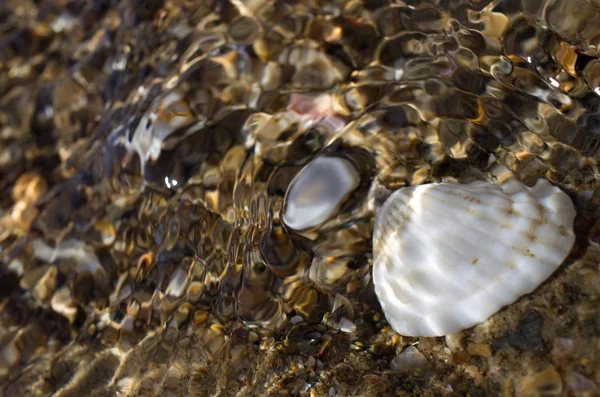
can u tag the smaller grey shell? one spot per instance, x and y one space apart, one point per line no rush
318 190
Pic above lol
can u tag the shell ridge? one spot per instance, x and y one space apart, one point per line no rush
440 271
489 257
438 220
479 231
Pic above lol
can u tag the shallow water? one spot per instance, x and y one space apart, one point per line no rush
147 154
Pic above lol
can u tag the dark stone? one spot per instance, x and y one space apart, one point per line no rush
590 328
528 334
9 281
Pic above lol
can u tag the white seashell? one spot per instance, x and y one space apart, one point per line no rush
447 256
316 192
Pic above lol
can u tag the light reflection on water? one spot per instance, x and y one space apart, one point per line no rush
162 140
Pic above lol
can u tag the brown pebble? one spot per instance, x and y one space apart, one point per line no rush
479 349
507 388
547 382
475 373
23 214
461 357
30 187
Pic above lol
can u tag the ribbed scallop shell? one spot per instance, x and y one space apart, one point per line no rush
448 256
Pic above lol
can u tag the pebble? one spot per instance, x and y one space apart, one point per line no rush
547 382
475 373
579 383
528 335
411 359
562 348
454 341
479 349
